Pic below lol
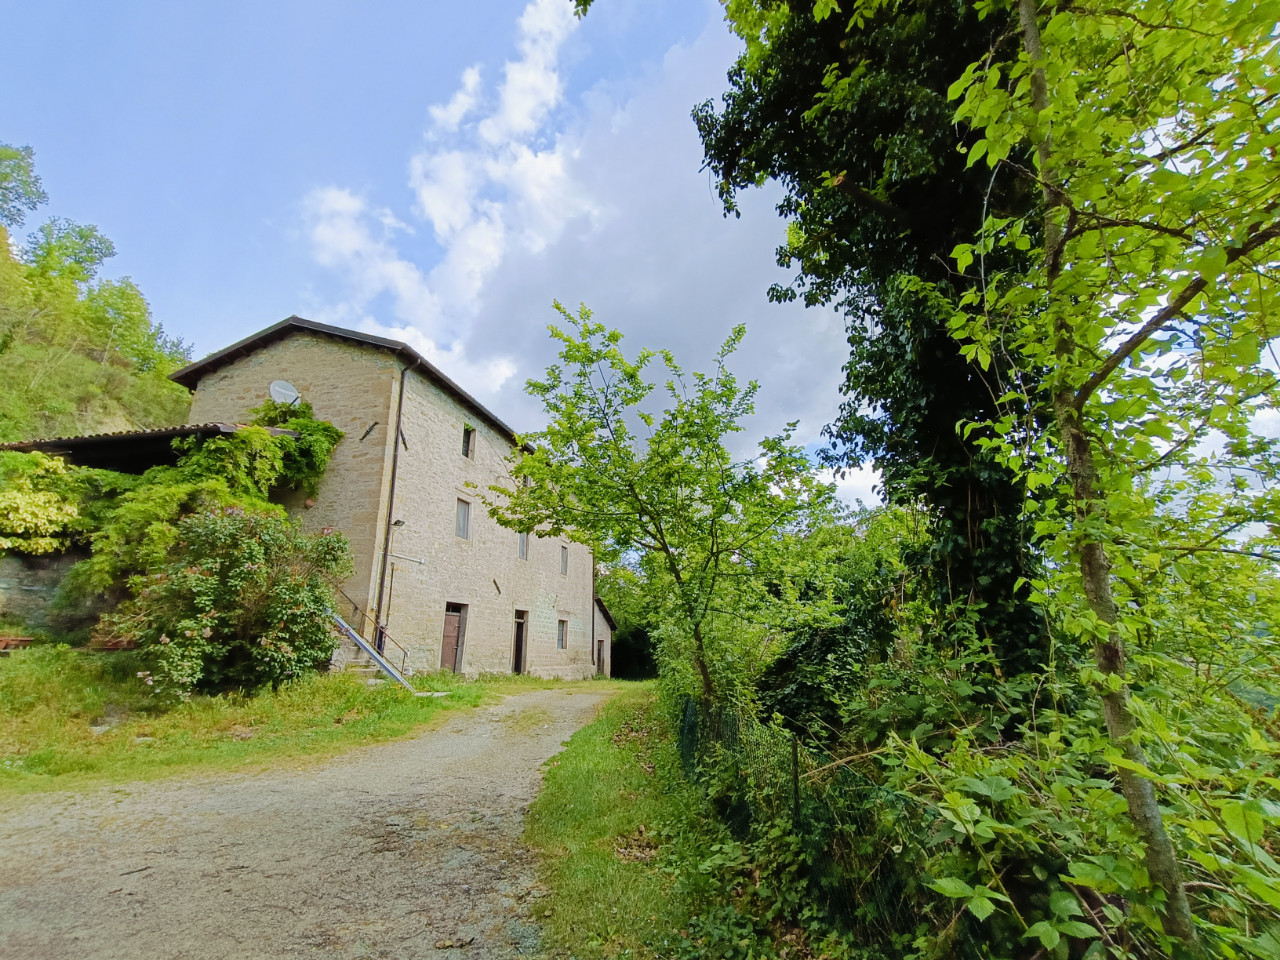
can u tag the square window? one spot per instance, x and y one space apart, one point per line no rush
469 442
562 633
464 520
522 546
564 561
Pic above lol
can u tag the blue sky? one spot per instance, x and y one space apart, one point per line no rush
432 171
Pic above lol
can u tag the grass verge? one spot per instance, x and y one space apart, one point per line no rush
71 719
593 826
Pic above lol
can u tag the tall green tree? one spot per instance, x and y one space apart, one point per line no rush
20 187
611 472
79 353
846 108
1150 305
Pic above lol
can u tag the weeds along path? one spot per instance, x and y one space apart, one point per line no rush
403 850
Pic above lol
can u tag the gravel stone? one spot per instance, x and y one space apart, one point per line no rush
404 850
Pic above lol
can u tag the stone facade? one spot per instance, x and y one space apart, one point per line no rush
356 386
29 587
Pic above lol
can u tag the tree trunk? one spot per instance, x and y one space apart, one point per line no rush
1095 567
700 659
1108 655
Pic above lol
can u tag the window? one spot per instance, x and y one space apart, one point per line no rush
522 546
464 520
564 560
469 441
562 633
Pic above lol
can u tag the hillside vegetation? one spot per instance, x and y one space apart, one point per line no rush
79 353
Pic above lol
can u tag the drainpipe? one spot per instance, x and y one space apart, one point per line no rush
378 625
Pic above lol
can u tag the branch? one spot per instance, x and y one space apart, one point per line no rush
869 199
1173 309
1256 554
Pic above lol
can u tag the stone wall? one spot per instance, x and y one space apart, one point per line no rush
434 566
604 643
28 586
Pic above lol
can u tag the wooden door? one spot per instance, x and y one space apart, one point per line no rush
452 633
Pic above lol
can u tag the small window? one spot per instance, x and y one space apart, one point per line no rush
469 441
464 520
522 546
564 561
562 633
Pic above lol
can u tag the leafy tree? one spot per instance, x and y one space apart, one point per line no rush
78 353
707 528
20 188
244 599
33 519
1150 304
848 111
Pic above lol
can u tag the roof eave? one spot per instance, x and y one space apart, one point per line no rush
190 375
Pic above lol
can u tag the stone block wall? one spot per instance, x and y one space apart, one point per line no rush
351 385
435 567
28 586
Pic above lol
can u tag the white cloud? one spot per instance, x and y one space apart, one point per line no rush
596 198
340 226
449 115
857 484
531 85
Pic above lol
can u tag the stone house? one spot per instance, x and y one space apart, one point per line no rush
450 588
436 582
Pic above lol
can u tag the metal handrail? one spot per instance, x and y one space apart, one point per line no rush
380 635
381 661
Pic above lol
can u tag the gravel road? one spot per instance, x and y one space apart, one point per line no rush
404 850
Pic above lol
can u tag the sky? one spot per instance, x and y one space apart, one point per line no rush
434 172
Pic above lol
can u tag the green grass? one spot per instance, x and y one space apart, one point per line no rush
593 825
51 697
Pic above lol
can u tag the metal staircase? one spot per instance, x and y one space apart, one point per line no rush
378 660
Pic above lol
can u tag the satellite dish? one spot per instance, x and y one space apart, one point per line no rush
282 391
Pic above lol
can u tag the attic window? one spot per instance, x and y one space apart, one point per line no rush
469 442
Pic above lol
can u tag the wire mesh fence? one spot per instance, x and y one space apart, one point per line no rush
856 836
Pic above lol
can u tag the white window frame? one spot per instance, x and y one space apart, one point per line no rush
564 560
462 520
522 546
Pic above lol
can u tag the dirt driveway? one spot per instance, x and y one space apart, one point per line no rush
403 850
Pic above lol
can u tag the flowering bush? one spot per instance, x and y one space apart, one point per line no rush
243 600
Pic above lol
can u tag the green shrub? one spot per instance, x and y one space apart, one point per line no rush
244 600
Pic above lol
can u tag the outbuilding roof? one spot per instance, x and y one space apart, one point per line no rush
191 374
608 617
125 451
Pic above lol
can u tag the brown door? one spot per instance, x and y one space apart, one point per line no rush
517 654
452 637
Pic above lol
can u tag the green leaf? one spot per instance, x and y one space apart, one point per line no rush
824 8
952 887
1074 928
1048 936
981 907
1244 819
1063 903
